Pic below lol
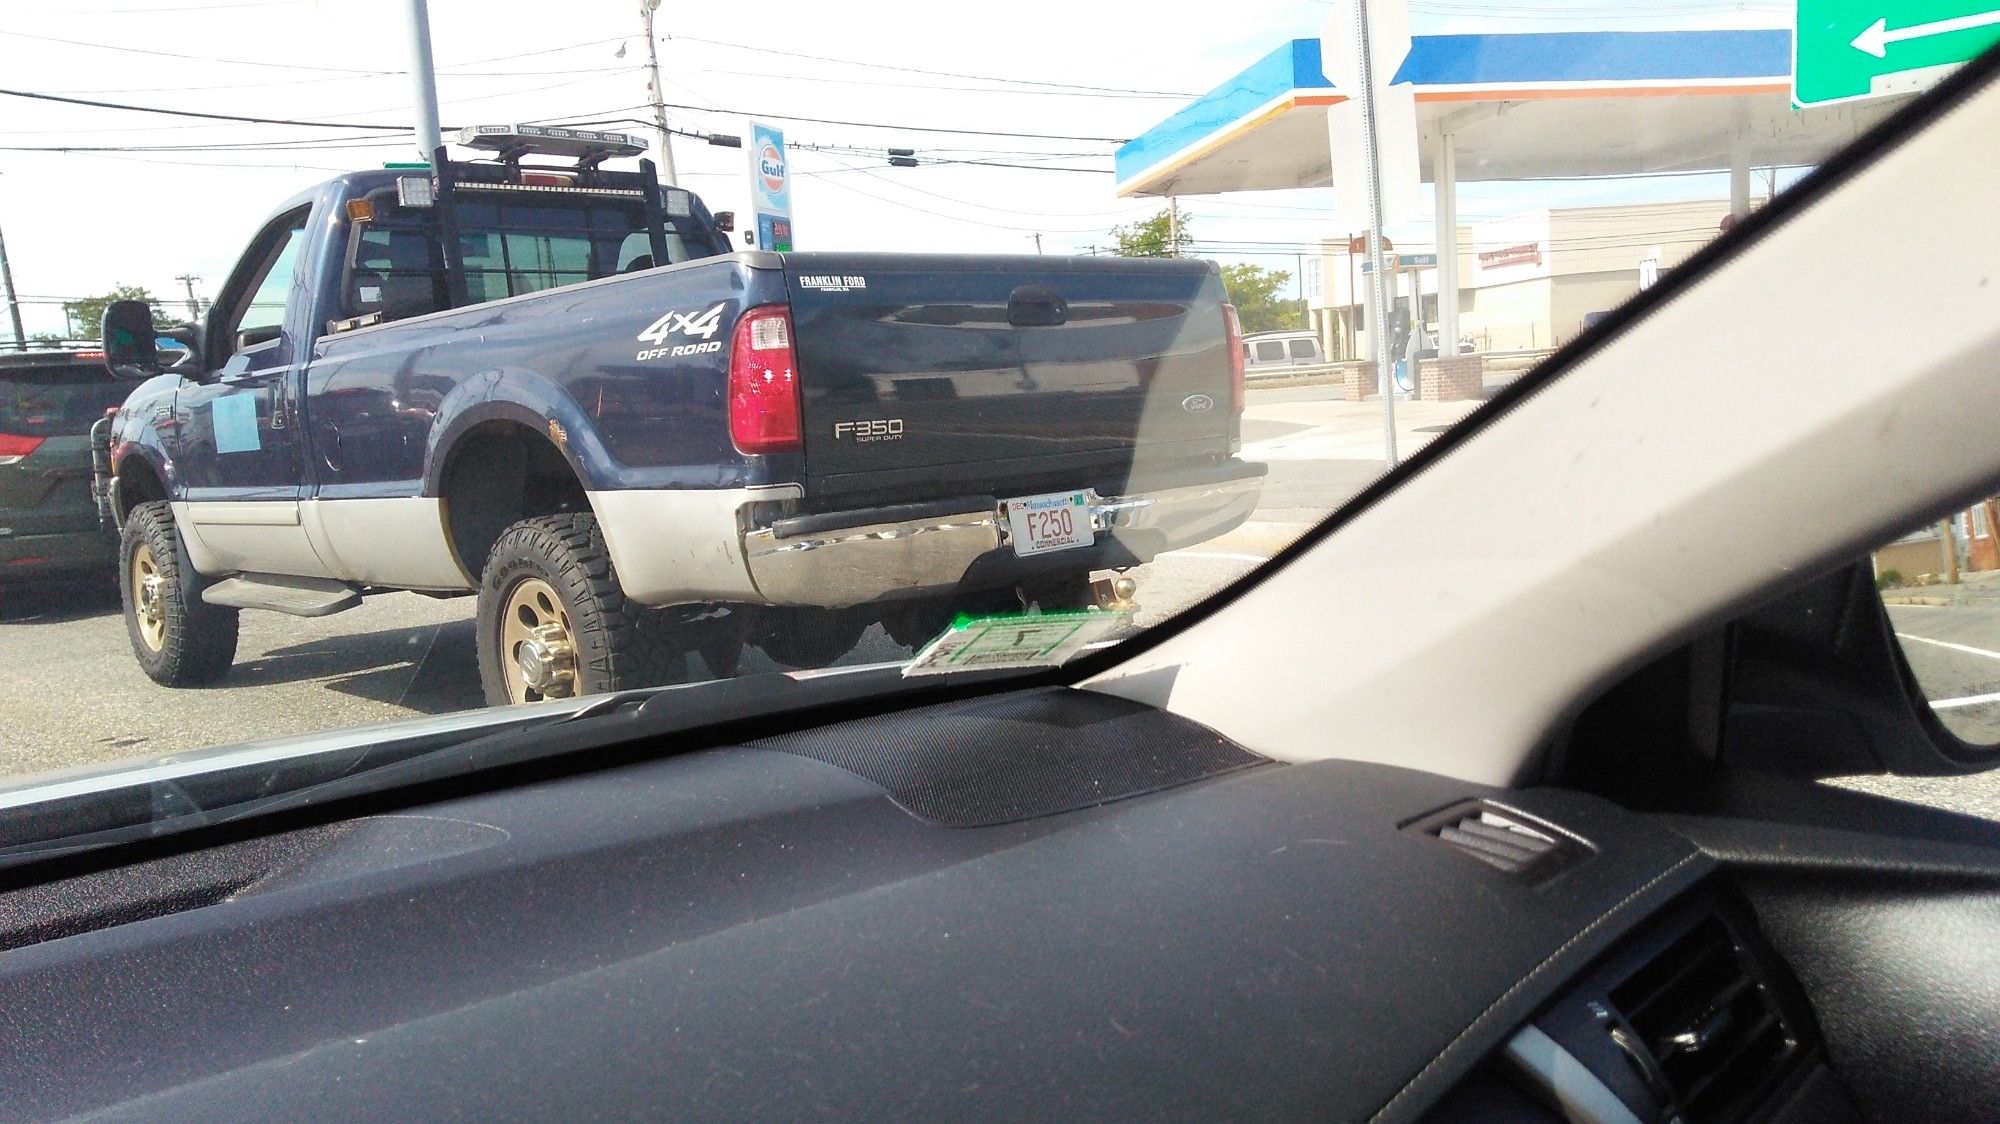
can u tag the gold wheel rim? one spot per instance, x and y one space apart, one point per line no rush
537 644
147 592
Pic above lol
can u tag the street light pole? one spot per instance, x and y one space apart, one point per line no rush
667 173
424 79
13 304
1377 260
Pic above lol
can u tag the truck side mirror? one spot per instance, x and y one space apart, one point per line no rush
181 347
129 352
725 221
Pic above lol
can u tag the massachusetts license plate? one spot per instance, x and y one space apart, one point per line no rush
1040 524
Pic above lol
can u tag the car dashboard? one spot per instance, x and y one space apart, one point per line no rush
1046 904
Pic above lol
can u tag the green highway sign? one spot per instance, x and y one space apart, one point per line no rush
1844 50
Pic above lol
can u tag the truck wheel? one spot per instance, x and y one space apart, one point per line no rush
181 640
554 622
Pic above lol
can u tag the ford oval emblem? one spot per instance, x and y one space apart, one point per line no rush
1197 403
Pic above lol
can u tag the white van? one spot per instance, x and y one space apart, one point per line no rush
1266 351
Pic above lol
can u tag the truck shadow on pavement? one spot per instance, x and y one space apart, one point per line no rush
428 669
434 669
54 602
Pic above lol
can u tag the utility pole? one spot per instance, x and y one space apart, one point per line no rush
1948 539
13 304
1038 241
424 79
1377 260
194 305
1173 226
667 172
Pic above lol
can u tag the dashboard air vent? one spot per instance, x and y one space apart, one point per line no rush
1701 1027
1503 838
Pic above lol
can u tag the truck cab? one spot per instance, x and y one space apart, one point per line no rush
554 386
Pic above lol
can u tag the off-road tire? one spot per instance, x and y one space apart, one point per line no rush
198 640
620 644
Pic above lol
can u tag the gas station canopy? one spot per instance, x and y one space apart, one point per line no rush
1516 106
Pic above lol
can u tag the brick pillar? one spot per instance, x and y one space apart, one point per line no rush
1452 378
1358 380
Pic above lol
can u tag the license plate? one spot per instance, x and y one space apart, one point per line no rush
1058 521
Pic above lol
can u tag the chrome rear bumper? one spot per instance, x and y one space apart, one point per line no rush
872 561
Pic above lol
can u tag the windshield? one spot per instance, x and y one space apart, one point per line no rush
1012 345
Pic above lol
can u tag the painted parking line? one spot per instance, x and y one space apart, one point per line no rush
1969 700
1966 648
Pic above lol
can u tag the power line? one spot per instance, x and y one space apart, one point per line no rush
1080 93
203 116
575 119
192 58
184 8
931 73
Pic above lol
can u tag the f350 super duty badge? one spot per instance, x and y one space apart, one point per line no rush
869 430
702 325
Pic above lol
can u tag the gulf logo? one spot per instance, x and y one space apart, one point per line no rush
771 167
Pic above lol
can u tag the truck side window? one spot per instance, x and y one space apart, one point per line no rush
260 315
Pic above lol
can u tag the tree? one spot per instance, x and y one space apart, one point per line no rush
86 316
1153 237
1256 294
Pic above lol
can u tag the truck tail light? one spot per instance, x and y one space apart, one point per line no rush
1233 333
764 383
13 446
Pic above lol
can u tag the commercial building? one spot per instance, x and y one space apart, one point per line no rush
1527 281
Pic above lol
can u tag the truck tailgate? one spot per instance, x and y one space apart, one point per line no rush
946 376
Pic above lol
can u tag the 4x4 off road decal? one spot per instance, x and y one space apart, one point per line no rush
702 325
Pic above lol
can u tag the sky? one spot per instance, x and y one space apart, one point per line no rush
1066 78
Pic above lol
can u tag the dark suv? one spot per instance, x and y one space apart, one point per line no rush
48 520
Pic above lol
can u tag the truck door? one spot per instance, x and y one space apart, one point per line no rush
236 433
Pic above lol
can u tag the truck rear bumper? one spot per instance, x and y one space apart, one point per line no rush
674 547
850 558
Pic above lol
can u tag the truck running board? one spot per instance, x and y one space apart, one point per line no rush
301 597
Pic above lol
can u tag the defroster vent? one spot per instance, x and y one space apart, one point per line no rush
1504 839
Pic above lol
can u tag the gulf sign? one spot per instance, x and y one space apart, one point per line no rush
771 168
770 172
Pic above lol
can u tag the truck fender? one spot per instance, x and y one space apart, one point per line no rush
135 432
526 398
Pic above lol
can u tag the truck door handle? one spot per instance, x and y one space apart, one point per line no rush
1036 306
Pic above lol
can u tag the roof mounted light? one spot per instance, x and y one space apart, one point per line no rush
515 141
415 191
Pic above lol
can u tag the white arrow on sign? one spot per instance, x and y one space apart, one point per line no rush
1876 39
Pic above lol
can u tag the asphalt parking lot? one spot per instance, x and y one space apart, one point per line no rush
74 695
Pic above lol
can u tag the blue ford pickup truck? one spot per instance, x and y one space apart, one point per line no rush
556 387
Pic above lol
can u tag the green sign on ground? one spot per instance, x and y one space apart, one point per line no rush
1849 49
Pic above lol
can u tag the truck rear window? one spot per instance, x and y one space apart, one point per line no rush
56 400
508 249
